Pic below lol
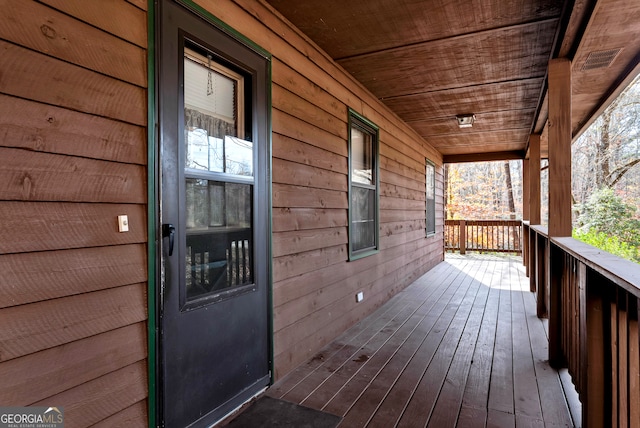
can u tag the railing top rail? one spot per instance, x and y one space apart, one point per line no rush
540 230
484 221
621 272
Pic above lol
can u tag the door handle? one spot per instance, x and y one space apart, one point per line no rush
169 230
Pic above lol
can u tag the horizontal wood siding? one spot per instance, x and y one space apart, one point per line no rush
73 116
73 304
314 283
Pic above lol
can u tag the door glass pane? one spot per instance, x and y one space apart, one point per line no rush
238 156
218 213
363 220
213 121
219 237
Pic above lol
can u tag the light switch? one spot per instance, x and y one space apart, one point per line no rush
123 223
359 297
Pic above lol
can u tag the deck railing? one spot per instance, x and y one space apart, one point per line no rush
592 300
483 235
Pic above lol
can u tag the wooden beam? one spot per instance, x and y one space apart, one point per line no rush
484 157
559 147
534 179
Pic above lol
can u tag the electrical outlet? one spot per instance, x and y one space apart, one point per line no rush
359 297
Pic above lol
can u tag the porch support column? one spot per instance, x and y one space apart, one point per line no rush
534 178
560 147
559 194
534 208
525 214
525 189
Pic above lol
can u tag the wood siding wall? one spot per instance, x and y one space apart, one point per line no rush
73 151
73 157
314 284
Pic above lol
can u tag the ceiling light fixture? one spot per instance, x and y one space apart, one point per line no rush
466 120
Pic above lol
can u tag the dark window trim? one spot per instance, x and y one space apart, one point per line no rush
364 124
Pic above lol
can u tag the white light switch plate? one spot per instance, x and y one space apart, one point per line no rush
359 297
123 223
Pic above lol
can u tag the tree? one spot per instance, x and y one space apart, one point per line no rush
606 219
507 176
608 153
484 190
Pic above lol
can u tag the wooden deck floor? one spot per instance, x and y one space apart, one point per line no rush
462 346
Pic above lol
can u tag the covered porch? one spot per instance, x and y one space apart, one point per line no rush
461 346
88 239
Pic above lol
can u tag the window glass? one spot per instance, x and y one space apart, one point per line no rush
363 218
363 187
361 157
431 198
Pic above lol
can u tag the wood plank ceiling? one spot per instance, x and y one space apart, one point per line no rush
430 60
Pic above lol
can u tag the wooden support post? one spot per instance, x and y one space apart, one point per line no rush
559 195
559 147
462 234
525 214
534 179
525 189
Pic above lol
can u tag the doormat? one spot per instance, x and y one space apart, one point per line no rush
270 412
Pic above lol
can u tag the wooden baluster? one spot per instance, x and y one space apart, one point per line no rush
568 314
462 236
541 275
593 402
533 264
634 362
557 268
238 280
581 379
613 340
623 363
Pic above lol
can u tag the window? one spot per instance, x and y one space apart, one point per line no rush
431 198
363 187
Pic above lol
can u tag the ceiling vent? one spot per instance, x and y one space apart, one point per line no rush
600 59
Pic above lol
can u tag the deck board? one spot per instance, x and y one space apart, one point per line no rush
461 346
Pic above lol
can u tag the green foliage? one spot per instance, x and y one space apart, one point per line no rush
610 244
607 222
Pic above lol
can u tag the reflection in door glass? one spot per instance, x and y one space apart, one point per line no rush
219 238
218 213
213 125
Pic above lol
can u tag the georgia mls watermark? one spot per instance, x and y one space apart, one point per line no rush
31 417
